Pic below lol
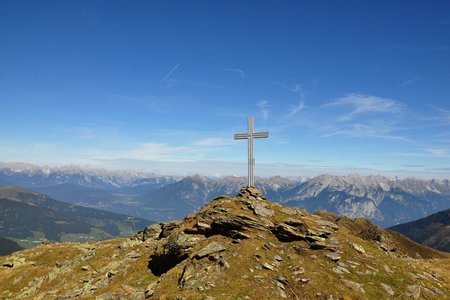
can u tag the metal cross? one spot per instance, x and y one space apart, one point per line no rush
250 135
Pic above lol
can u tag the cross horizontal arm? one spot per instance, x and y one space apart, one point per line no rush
260 134
240 136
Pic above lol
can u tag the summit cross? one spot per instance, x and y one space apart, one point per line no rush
250 135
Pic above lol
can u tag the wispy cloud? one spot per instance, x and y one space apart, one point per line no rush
154 151
41 147
413 166
296 108
300 91
165 78
430 152
296 88
354 115
444 115
439 152
373 130
366 104
238 71
213 142
263 106
408 82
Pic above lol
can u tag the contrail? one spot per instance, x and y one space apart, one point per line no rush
170 73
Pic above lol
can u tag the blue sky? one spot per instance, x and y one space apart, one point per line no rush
342 86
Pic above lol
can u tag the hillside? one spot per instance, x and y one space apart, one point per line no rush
28 216
242 247
433 231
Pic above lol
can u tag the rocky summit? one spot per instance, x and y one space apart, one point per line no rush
242 247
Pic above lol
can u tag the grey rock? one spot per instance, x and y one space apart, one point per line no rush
282 293
414 291
254 191
8 264
133 255
353 285
261 210
387 269
209 249
388 289
180 244
329 224
295 223
287 233
267 266
168 227
107 296
235 234
299 271
203 226
223 263
227 223
289 211
150 290
278 258
151 232
340 270
436 290
333 256
358 248
321 246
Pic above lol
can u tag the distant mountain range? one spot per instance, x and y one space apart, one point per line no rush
386 201
32 176
433 231
27 216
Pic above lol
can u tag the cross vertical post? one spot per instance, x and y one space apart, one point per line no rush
250 135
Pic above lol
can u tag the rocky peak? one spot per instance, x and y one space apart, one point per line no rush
242 247
266 244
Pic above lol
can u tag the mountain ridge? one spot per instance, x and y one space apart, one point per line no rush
433 230
385 200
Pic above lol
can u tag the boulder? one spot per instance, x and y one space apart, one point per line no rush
168 227
151 232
